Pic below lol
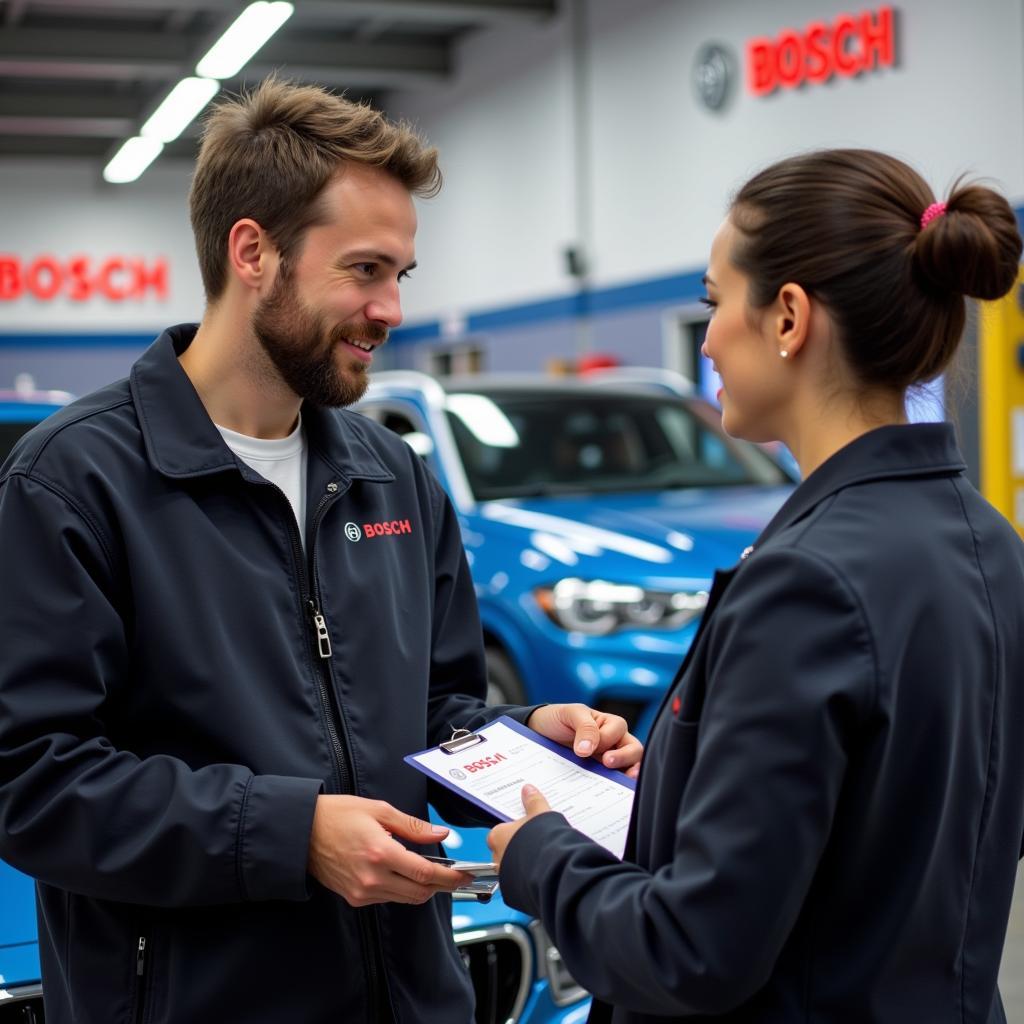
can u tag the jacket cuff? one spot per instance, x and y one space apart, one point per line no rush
518 873
273 837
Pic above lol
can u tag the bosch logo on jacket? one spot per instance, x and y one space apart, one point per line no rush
180 777
387 529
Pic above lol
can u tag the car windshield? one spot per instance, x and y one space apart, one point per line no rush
518 444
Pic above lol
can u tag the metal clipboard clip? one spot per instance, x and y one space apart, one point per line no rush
461 738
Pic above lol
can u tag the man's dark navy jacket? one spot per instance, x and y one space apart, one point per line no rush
167 720
829 814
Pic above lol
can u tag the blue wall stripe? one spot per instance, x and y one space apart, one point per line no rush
420 332
564 308
675 288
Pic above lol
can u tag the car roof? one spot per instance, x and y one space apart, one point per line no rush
636 383
21 397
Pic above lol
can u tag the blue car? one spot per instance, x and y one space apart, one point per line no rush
20 991
594 511
516 971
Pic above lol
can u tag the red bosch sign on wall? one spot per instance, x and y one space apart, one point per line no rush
846 47
117 278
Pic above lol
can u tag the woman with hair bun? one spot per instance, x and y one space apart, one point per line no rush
831 806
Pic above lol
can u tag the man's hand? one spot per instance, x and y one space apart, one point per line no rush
501 835
590 734
352 853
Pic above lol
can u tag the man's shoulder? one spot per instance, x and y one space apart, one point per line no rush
75 434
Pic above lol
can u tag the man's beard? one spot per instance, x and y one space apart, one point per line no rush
304 352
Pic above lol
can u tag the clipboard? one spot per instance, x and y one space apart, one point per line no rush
595 799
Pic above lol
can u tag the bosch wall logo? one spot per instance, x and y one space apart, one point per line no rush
713 76
456 773
353 532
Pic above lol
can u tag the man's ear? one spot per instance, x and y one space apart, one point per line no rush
791 319
252 257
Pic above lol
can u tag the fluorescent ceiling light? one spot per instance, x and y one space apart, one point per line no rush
180 108
132 159
249 31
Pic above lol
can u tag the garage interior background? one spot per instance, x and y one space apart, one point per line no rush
585 171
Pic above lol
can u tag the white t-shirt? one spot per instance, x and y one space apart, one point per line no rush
282 461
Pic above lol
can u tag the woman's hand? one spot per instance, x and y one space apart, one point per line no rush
501 835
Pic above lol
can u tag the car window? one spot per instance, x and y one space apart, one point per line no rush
516 444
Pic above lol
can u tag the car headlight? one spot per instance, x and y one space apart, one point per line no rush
598 607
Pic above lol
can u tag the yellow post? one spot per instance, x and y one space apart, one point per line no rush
1001 403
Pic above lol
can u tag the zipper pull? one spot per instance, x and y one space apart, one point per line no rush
323 640
140 957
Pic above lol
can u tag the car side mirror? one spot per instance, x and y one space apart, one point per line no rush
422 444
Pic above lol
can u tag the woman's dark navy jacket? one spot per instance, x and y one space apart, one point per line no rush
829 814
167 721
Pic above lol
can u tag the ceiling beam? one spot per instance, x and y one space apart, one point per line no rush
459 12
365 65
68 127
67 104
157 56
94 44
14 12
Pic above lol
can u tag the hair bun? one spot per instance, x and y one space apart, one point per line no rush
974 249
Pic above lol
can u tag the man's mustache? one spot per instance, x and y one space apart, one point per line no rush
368 332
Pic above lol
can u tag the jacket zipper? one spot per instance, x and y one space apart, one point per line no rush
341 744
140 980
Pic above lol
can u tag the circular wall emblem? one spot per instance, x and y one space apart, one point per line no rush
713 75
456 773
352 531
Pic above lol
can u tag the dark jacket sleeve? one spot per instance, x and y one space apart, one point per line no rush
790 678
77 813
458 675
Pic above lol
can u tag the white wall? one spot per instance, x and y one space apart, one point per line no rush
64 209
662 166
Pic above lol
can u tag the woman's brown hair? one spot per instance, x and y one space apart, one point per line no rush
269 153
845 224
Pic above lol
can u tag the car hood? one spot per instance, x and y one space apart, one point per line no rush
19 952
686 533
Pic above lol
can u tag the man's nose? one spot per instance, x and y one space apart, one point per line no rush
386 307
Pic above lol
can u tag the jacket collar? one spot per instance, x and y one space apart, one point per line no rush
182 441
907 450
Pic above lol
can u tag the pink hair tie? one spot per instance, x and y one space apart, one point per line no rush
933 211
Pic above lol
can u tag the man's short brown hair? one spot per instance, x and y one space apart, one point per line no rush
268 154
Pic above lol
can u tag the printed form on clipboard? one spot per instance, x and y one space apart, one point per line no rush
491 766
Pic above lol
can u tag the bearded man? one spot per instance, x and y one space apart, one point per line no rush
208 684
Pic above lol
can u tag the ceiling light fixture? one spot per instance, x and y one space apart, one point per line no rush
132 159
235 48
247 33
183 104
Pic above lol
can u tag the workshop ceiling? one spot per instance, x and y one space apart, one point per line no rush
78 77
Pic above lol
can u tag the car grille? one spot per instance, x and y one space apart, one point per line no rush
500 962
22 1005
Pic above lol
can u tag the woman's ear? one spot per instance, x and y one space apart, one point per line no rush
791 319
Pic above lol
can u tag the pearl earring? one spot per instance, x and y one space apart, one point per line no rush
784 353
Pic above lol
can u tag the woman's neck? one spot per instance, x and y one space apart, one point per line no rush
819 429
